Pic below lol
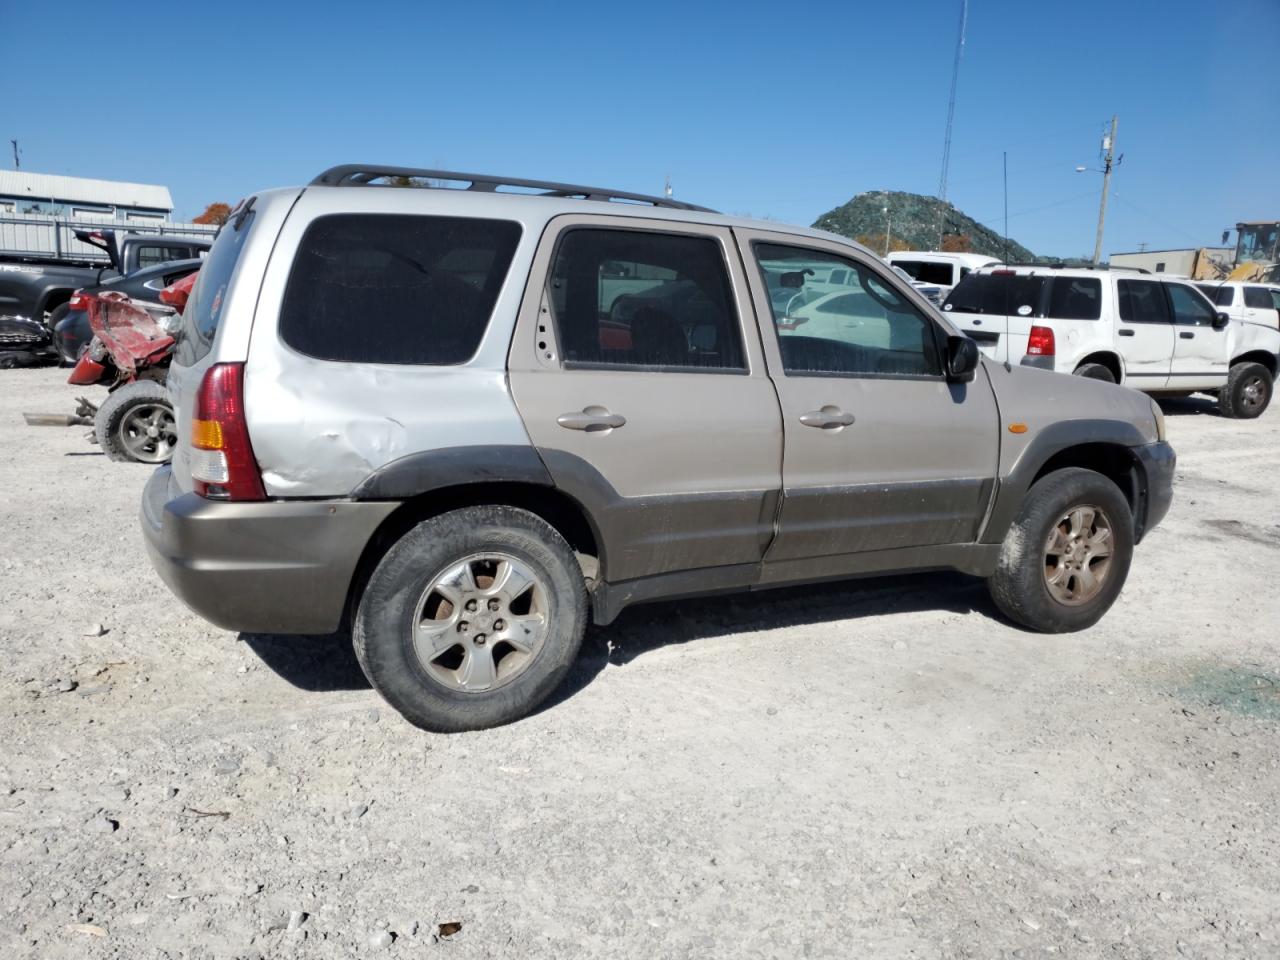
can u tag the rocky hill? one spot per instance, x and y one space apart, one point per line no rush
918 223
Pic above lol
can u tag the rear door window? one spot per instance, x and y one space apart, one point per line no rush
997 294
636 298
1075 298
1258 298
150 256
203 314
395 288
1142 301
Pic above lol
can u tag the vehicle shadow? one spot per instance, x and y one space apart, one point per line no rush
647 627
320 664
325 664
1196 406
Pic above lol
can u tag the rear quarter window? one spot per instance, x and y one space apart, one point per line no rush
1075 298
395 288
204 311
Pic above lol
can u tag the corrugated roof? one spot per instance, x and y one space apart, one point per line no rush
45 186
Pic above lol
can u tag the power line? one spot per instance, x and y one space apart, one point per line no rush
951 104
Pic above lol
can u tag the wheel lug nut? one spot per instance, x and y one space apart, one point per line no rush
480 639
463 627
471 604
493 604
500 625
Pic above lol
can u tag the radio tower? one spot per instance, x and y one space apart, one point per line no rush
951 104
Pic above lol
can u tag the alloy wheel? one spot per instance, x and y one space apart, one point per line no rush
480 623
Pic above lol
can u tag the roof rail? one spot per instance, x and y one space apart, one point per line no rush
363 174
1083 266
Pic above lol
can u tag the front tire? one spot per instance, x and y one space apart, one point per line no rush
471 619
1247 393
135 424
1067 555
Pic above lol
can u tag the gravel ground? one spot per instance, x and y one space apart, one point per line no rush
882 768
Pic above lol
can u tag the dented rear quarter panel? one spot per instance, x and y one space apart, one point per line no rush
319 428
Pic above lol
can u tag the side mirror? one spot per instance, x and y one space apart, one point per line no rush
962 359
1221 320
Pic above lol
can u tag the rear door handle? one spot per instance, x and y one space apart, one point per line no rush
593 419
1185 335
1126 333
828 418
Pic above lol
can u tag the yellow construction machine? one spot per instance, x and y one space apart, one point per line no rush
1256 259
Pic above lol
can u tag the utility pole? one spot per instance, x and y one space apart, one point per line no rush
888 224
1109 145
17 164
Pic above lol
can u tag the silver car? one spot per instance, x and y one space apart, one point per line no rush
462 421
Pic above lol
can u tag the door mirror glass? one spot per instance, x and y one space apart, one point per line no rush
1221 320
962 359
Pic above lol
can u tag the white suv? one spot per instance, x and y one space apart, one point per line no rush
1159 335
1254 302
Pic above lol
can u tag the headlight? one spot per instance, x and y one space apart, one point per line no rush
1159 415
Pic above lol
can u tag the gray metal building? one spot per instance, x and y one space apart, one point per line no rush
78 198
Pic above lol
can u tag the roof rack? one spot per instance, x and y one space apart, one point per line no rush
1083 266
363 174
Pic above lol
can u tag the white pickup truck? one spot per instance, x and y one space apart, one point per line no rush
1159 335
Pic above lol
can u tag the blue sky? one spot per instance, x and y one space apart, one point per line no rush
779 110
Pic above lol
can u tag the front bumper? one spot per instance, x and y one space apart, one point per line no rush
281 566
1158 462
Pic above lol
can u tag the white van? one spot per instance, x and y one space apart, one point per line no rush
1156 334
944 270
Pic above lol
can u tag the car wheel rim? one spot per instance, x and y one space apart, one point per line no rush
480 623
148 432
1077 555
1254 391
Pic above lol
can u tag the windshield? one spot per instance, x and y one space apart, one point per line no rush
1258 241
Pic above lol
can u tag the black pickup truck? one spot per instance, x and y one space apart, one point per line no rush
35 288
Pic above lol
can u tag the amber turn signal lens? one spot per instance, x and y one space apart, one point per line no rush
1017 428
206 434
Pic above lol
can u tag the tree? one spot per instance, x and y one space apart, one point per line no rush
875 243
214 213
957 243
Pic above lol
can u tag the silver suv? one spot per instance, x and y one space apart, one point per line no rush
462 421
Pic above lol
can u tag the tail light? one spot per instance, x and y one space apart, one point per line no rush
80 300
1040 343
222 462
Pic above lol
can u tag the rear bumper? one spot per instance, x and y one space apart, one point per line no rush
1039 362
1158 462
281 566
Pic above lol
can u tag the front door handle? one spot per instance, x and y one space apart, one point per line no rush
1186 336
593 419
828 418
1126 333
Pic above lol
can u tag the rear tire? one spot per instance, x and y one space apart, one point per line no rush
135 424
1247 393
1095 371
454 601
1058 570
57 313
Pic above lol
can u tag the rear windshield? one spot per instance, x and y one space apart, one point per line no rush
926 271
1222 296
997 294
204 311
395 288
